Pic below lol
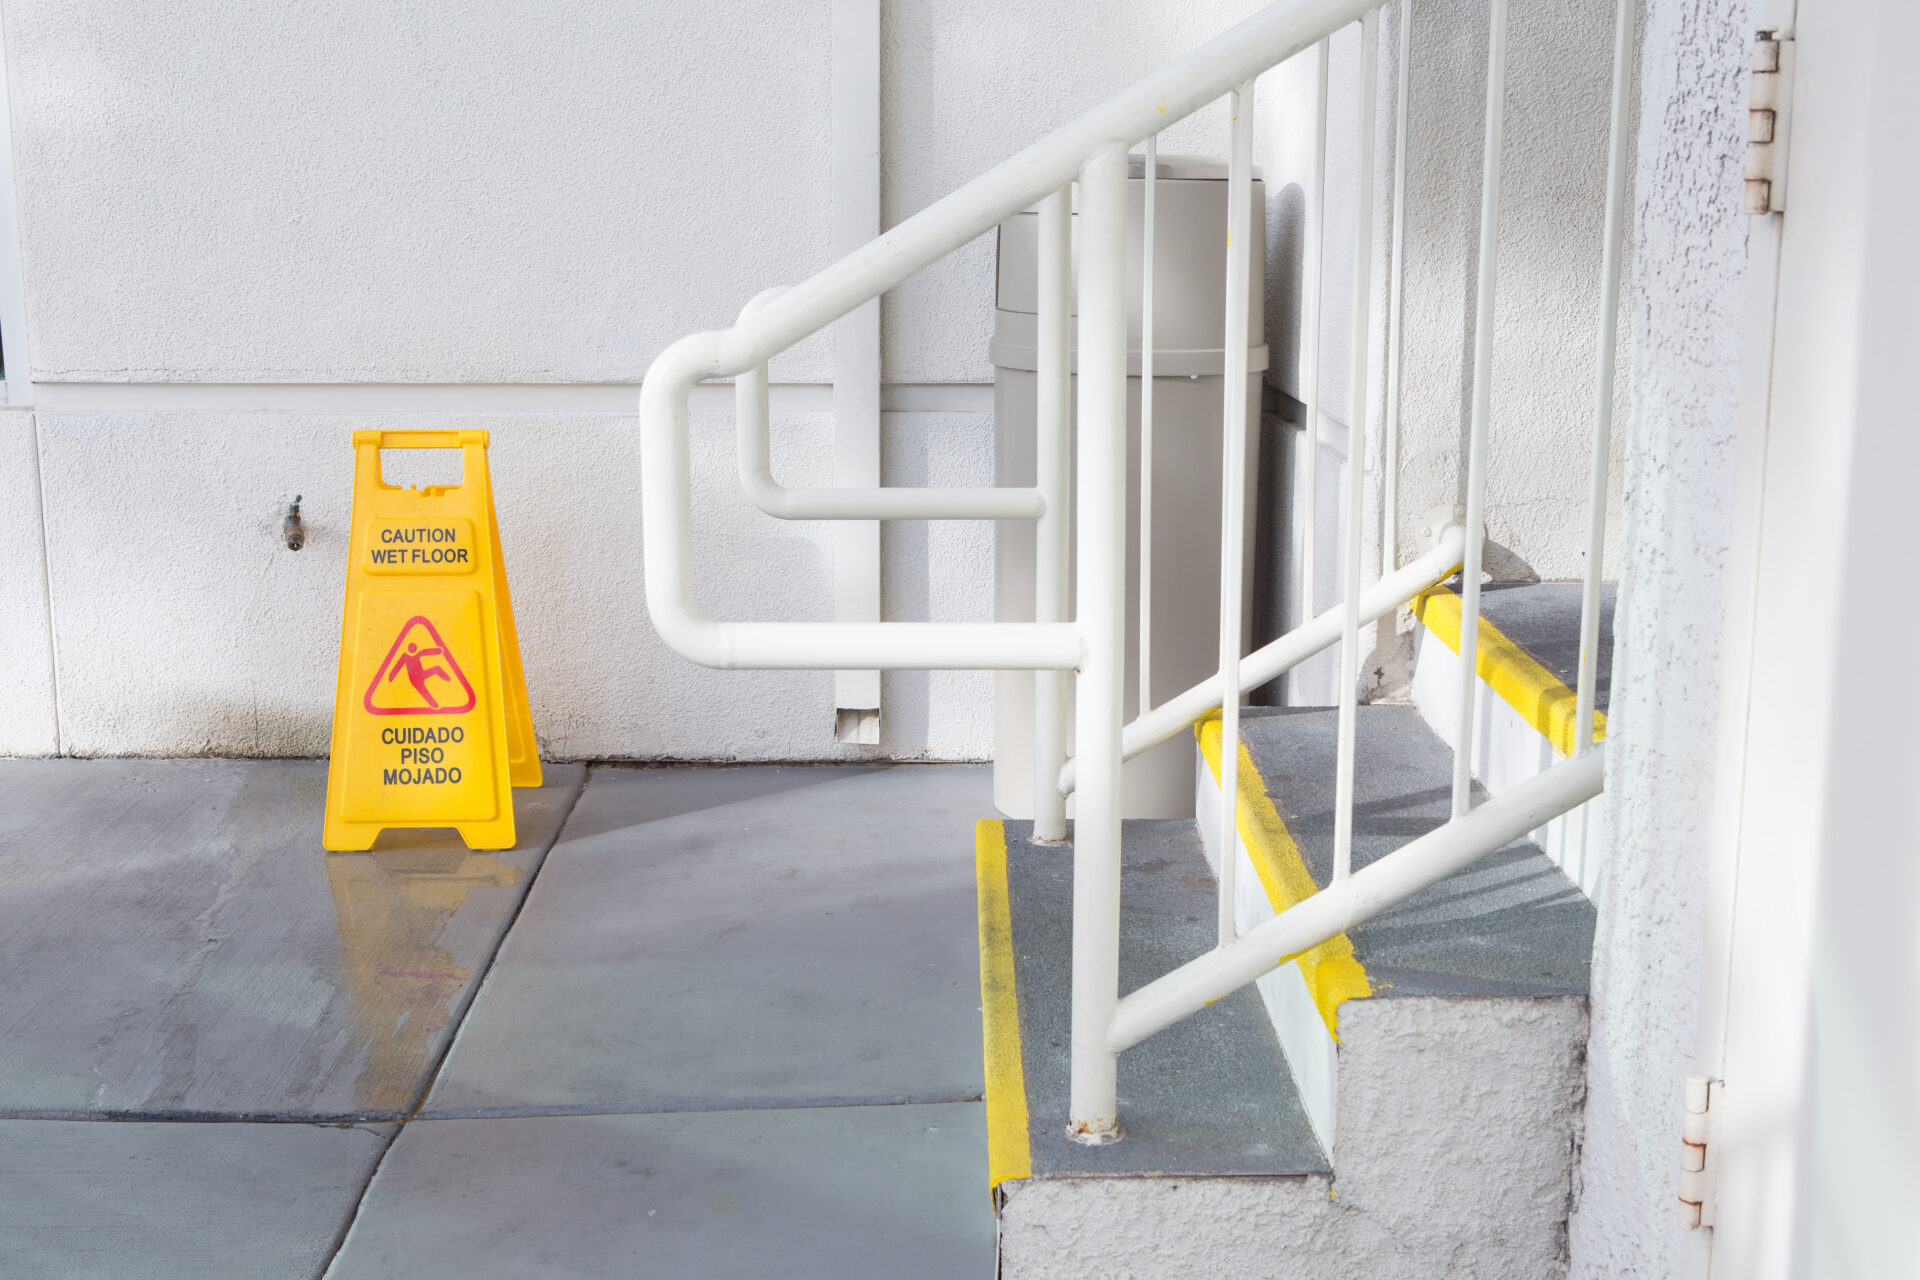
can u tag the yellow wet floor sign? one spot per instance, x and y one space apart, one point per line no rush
430 719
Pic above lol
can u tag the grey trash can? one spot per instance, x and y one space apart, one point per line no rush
1190 218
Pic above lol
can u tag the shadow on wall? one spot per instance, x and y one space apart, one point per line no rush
1286 258
1273 569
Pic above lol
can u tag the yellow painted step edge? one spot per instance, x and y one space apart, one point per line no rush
1332 972
1540 697
1008 1152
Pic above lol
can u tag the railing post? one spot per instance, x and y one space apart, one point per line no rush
1310 290
1233 495
1608 341
1143 630
1482 406
1053 476
1099 710
1349 690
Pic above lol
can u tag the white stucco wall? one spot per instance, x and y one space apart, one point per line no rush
1691 239
186 627
26 657
1553 171
1553 183
446 196
436 192
439 196
968 84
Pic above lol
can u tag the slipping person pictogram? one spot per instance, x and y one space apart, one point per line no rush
414 655
414 663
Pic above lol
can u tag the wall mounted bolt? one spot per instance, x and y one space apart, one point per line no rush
294 532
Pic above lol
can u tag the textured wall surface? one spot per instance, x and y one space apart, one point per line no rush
431 192
1691 240
445 196
1553 180
965 86
439 195
26 672
1458 1122
1553 183
185 627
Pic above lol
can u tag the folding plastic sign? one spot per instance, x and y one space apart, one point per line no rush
430 719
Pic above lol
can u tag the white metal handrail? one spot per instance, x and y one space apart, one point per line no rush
1358 898
1092 154
754 430
1177 714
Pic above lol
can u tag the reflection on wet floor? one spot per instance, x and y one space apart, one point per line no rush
178 945
394 906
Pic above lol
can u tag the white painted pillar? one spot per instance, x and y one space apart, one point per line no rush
856 349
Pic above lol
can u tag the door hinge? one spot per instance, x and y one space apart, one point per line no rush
1696 1156
1769 123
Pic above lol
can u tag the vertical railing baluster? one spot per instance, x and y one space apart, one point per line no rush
1233 489
1610 251
1314 251
1390 429
1102 613
1482 404
1052 537
1144 703
1356 452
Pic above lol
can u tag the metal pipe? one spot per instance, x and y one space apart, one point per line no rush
753 435
1482 398
1361 896
666 512
1356 453
1102 610
1233 494
1396 308
1608 339
1310 342
1053 473
1165 98
1178 713
1144 645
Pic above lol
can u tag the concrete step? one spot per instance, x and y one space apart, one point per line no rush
1458 1067
1510 925
1526 673
1208 1096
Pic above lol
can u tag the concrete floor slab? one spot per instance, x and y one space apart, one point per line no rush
846 1193
703 937
193 1201
176 942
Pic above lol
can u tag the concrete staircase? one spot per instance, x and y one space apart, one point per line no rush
1404 1100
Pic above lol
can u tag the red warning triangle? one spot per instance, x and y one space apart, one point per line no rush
419 676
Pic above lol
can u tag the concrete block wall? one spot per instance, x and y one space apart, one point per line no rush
184 626
229 220
245 234
27 717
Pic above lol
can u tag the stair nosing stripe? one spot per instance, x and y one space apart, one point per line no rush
1009 1152
1333 972
1541 698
